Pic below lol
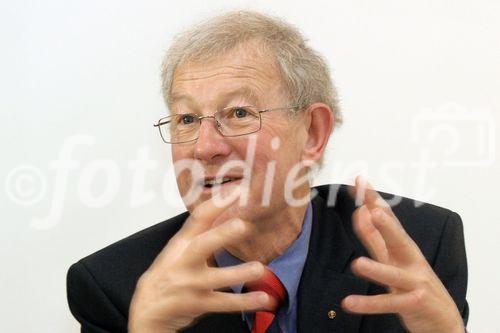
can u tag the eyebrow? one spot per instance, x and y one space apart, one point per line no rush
244 91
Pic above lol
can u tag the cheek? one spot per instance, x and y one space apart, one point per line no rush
179 153
278 154
184 178
285 147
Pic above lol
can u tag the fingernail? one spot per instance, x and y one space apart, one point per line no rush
256 268
237 225
361 260
263 298
351 301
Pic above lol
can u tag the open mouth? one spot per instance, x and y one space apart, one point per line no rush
210 183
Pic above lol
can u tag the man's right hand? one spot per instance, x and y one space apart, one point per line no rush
181 285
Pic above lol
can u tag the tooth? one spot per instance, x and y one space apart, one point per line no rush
217 181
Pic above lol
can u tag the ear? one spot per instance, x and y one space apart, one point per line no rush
320 122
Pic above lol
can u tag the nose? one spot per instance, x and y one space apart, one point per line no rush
210 145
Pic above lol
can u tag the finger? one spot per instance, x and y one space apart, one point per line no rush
383 274
364 193
369 235
202 216
379 304
205 244
199 221
216 278
398 242
358 190
218 301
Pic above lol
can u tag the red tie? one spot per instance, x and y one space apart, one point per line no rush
276 291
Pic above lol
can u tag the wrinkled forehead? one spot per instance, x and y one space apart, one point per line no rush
248 70
254 52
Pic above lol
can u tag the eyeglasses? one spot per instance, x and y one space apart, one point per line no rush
230 121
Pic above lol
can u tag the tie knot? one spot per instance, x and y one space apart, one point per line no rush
270 284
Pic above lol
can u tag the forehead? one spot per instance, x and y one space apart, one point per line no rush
248 70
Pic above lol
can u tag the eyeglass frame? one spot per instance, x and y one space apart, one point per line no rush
200 118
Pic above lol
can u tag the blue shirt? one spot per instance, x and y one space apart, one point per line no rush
288 268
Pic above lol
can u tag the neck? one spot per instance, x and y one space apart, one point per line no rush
271 236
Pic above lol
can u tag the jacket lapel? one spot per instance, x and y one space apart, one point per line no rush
326 278
220 323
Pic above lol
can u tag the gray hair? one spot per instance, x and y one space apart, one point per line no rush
304 72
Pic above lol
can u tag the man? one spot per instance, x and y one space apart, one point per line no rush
251 111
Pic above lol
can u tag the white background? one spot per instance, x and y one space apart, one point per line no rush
92 68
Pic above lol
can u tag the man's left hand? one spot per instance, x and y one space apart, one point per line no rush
415 292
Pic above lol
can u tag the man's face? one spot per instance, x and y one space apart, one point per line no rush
241 77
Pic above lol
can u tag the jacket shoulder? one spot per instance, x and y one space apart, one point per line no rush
424 222
139 245
115 269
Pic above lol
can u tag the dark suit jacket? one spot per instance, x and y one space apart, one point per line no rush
101 285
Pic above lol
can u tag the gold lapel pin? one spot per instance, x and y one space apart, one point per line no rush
332 314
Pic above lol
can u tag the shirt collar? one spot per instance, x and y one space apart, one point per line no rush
287 267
